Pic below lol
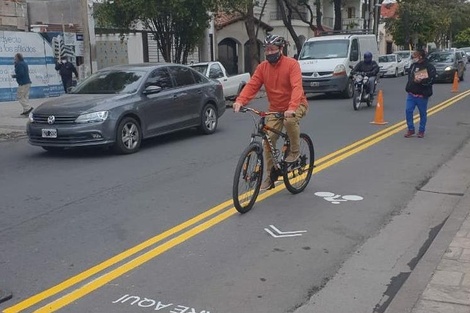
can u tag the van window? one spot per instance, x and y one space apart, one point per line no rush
354 56
325 49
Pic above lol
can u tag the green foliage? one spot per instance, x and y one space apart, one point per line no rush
422 21
463 38
173 23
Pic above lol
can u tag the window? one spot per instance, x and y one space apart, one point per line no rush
351 12
325 49
215 71
200 79
183 76
161 78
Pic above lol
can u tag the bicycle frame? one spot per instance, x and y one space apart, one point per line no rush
262 132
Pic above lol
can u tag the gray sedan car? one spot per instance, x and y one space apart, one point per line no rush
122 105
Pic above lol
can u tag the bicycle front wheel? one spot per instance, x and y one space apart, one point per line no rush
247 179
297 175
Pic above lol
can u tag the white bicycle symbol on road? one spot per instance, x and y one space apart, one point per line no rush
337 199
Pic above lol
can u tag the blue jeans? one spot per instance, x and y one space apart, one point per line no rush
372 84
422 104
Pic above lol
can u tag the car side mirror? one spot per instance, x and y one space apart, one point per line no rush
152 89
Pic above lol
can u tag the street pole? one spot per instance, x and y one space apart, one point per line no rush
86 39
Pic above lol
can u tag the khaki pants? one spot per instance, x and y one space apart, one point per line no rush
22 95
292 126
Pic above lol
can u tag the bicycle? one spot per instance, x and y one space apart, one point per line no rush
249 170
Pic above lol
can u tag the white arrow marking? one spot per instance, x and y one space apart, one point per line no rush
284 233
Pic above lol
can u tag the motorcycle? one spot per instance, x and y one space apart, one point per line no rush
361 90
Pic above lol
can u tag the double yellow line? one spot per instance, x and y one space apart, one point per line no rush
93 278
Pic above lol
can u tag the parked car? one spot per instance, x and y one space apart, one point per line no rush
215 70
464 56
122 105
447 63
467 51
391 65
405 55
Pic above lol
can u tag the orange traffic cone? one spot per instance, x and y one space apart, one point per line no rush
379 110
455 83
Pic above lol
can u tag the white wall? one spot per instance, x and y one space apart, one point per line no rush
132 45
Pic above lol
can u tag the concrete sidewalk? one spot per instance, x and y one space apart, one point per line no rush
12 123
440 283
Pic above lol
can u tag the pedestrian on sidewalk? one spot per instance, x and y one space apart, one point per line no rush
66 69
24 83
419 89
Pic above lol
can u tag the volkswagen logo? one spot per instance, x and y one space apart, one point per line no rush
51 120
315 74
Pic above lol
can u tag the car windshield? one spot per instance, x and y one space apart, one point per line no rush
404 55
444 57
327 49
201 68
387 58
111 82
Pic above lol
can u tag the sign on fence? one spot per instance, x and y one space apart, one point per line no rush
39 55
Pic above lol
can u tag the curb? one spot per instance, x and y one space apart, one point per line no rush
410 293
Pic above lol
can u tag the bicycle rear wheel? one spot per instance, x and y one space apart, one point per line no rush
247 179
297 175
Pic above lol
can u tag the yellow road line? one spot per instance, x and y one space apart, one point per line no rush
325 162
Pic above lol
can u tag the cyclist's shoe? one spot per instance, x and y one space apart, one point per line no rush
409 133
420 134
292 157
267 184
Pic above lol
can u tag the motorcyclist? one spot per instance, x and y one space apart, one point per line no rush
370 68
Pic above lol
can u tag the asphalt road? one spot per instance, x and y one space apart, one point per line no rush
88 231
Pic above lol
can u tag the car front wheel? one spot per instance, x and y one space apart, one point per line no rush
128 136
349 91
209 119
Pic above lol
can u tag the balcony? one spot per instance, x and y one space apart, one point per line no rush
352 23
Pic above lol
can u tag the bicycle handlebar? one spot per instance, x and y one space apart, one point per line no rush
262 113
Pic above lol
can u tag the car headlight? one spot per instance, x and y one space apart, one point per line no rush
339 70
449 68
94 117
31 118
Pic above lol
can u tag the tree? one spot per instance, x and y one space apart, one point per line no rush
287 7
462 39
422 21
338 18
177 25
245 9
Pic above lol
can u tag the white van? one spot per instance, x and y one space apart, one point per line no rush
325 61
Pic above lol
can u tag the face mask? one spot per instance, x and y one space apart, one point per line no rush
273 58
415 60
64 61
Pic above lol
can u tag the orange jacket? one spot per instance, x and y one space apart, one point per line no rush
283 84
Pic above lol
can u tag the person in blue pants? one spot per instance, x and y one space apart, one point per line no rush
419 88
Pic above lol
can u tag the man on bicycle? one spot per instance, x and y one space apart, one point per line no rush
282 79
370 68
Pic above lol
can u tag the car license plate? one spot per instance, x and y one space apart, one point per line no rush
314 84
49 133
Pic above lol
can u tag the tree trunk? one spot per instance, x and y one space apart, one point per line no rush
286 19
337 8
253 41
318 15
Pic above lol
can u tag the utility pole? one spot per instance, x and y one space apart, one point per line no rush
86 39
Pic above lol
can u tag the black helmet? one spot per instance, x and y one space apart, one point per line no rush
275 40
367 57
